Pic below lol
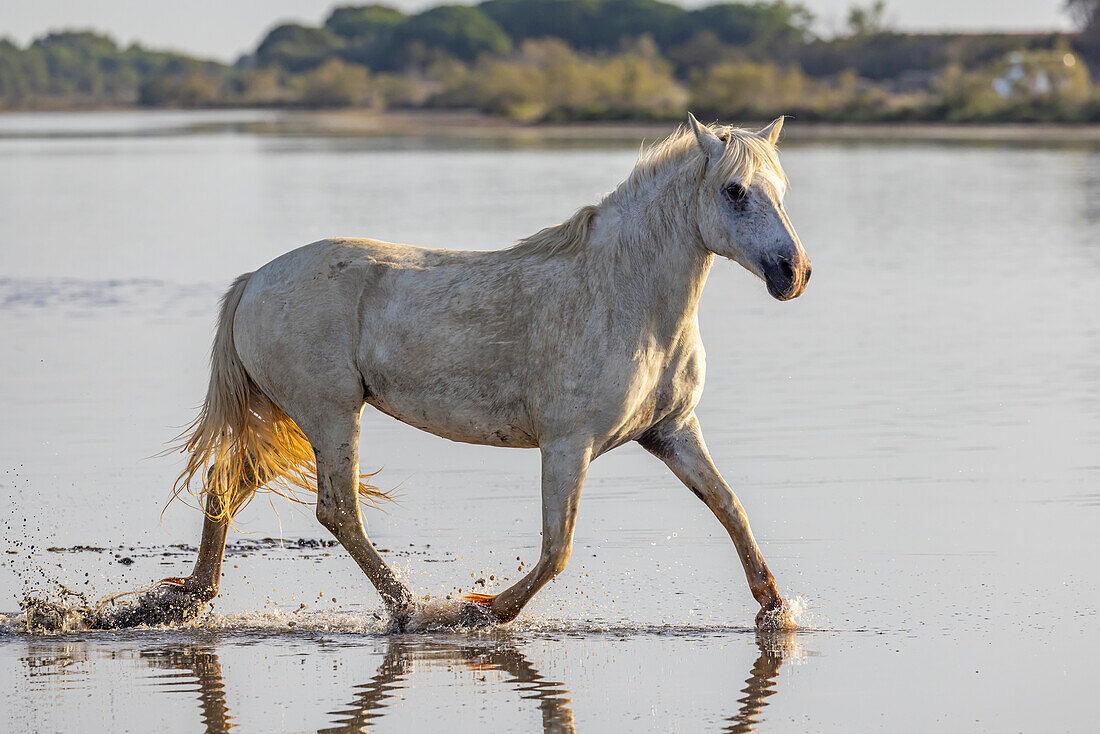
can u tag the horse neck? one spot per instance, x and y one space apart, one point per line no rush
656 264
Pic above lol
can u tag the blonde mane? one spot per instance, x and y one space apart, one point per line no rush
746 154
569 236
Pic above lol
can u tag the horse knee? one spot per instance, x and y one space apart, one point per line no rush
559 565
557 558
339 520
328 516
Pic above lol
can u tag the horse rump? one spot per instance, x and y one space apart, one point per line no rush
241 440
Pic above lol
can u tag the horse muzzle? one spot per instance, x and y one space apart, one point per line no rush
787 278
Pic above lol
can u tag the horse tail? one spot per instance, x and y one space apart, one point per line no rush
241 440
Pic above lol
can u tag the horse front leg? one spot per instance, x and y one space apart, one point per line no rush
682 448
564 466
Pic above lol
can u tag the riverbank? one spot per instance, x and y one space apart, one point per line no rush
473 126
470 124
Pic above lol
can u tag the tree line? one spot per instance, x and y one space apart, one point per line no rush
589 59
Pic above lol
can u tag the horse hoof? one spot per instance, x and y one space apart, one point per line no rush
774 617
476 614
400 618
162 605
165 605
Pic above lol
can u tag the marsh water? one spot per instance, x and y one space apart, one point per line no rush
916 439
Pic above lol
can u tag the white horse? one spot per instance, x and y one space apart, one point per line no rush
578 339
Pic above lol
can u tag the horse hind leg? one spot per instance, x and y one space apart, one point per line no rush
336 446
219 512
178 600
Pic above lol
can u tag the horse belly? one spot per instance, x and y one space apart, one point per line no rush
477 422
450 359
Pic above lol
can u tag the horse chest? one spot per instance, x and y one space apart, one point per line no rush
680 385
662 385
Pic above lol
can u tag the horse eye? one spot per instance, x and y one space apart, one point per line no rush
736 192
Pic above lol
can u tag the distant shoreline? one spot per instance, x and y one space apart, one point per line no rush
457 125
467 124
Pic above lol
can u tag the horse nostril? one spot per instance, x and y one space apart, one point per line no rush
786 269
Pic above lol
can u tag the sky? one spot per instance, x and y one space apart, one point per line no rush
224 29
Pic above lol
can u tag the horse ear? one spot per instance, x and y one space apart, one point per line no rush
771 132
711 145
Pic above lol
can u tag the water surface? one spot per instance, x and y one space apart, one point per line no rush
916 439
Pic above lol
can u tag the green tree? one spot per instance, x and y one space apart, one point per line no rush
589 25
298 48
622 21
198 90
460 31
1086 15
22 74
367 31
572 21
699 51
363 22
264 86
867 21
79 62
739 24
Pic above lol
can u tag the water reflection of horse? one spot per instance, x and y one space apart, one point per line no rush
373 699
762 682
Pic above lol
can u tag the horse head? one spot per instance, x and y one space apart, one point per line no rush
740 206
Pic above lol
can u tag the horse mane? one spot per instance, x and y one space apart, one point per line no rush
746 153
569 236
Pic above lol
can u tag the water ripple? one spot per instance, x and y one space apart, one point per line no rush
70 295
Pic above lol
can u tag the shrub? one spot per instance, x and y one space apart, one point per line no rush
743 89
336 84
548 80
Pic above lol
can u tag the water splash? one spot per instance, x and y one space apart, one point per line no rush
66 611
798 610
71 611
164 605
433 613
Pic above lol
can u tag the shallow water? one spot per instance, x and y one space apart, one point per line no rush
916 439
